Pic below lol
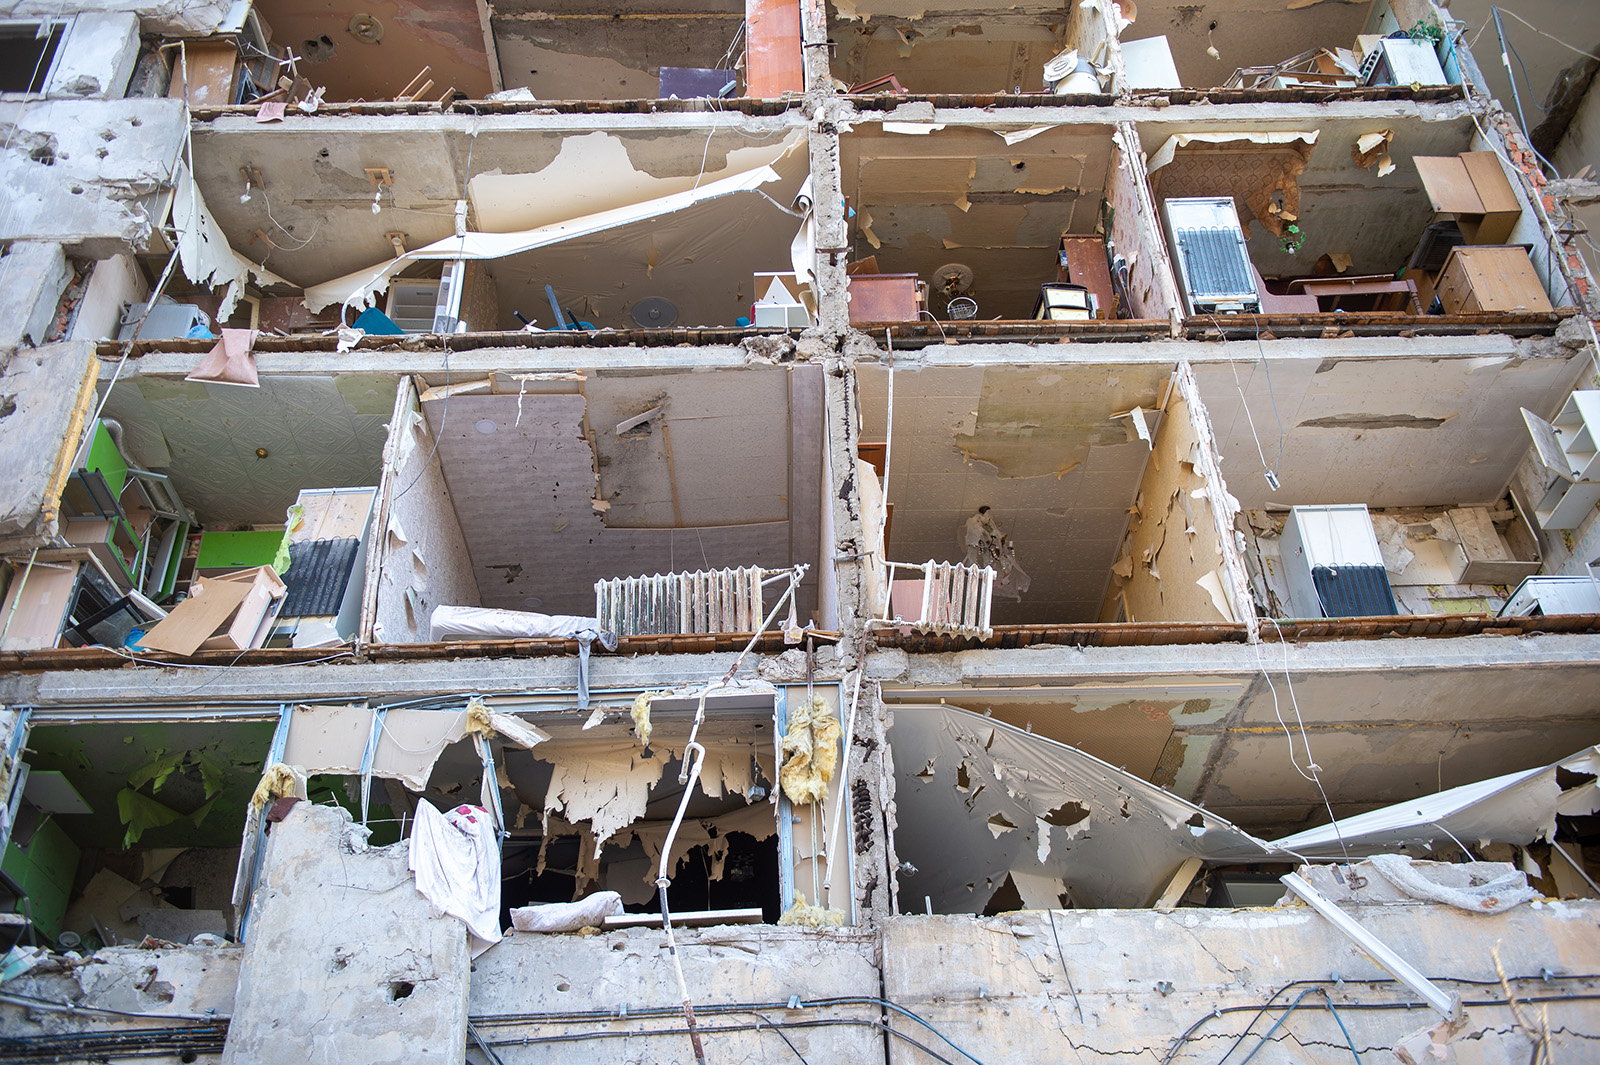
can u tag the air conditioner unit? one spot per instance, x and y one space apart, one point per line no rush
1213 261
1538 596
1333 565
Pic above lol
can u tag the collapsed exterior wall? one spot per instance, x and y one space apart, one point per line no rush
345 962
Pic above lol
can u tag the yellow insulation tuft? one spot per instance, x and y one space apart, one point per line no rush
809 916
811 750
641 718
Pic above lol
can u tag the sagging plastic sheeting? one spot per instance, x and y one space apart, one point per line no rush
333 739
492 624
456 859
1517 808
980 800
1169 148
358 287
203 249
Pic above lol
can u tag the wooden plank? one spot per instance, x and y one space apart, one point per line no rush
1178 886
211 68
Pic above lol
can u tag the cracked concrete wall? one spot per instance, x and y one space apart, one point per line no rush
345 962
178 18
535 985
1134 981
87 174
45 396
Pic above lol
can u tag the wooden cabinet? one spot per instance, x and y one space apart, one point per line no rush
1488 278
1083 262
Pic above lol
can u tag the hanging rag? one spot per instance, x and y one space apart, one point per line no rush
231 361
456 859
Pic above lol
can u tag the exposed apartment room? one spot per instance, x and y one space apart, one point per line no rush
1265 45
888 46
562 231
1412 498
954 224
1396 215
520 491
1098 503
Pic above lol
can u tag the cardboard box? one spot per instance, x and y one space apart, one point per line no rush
229 612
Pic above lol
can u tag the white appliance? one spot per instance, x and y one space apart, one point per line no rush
1213 261
1340 542
1538 596
1401 61
1149 64
169 320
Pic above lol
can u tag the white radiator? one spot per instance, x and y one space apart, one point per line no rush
955 597
724 600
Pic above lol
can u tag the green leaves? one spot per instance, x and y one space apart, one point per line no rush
141 812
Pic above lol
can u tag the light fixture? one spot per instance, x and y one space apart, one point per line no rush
486 426
365 28
261 452
377 201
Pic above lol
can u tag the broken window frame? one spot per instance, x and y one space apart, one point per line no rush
529 708
55 37
31 717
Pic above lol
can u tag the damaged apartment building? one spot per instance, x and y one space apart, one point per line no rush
839 531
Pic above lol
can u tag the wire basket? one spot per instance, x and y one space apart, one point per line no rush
961 308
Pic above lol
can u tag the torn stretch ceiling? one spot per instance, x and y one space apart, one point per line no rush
979 800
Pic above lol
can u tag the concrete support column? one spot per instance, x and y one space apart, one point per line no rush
833 306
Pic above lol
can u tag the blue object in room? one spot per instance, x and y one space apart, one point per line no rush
374 322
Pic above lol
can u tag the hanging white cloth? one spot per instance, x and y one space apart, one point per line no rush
456 859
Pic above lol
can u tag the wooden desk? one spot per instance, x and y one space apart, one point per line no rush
1373 292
